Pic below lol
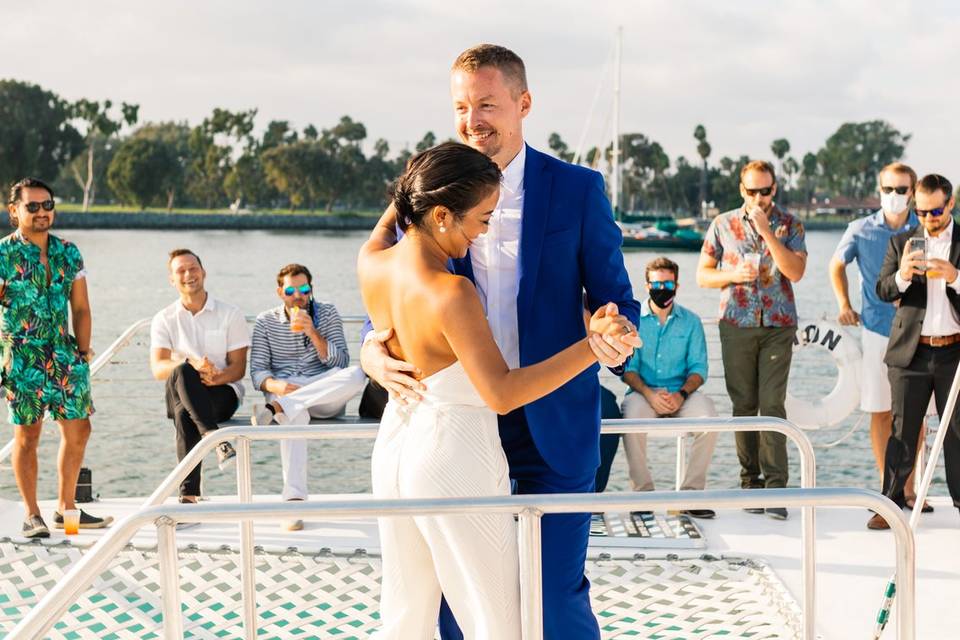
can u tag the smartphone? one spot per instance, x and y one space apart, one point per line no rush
918 244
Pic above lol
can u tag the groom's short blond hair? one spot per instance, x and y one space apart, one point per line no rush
492 55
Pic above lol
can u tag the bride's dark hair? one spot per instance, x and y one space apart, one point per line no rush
451 175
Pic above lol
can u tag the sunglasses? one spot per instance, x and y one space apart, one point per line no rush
304 289
33 207
763 192
936 213
900 190
656 285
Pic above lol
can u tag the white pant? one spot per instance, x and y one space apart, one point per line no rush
698 405
321 396
472 559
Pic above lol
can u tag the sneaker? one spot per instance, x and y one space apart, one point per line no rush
754 510
35 527
777 513
87 521
262 416
296 524
226 455
700 513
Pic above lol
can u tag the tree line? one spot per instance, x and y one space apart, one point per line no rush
99 152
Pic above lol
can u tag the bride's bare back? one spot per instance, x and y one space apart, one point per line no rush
404 292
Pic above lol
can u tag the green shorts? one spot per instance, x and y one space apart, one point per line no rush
45 378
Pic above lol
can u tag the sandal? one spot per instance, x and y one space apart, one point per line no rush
911 502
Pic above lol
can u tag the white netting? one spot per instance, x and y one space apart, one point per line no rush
335 596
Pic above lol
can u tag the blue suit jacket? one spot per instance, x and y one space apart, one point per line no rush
569 243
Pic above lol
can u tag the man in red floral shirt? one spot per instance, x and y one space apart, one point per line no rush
753 254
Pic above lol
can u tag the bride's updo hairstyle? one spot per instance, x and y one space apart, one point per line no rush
450 175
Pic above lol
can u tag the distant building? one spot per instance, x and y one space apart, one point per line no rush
843 206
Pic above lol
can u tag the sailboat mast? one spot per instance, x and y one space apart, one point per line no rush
615 182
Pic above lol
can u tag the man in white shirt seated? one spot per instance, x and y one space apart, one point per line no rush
198 345
300 362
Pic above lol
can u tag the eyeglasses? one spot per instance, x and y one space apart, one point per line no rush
900 190
303 289
765 191
33 207
936 213
656 285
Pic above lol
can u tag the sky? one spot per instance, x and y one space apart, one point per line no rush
750 71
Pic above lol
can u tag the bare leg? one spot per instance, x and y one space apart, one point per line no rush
881 423
24 459
73 442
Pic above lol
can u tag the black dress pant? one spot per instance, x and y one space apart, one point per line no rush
930 371
373 401
195 409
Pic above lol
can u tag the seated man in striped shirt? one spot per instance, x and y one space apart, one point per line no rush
299 360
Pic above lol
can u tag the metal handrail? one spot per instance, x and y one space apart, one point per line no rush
244 435
530 509
99 363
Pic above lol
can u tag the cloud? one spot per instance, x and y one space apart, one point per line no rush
749 71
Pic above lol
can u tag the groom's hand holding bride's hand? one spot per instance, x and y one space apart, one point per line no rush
620 337
396 376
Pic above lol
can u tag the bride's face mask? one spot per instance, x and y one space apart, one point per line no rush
460 233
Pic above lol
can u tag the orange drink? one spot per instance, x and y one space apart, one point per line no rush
71 521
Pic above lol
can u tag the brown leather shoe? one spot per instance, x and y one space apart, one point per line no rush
877 523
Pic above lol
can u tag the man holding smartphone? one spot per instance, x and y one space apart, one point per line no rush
924 347
865 241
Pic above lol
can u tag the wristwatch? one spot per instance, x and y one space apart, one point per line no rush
684 394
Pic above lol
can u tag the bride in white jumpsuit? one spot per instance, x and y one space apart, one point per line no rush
447 445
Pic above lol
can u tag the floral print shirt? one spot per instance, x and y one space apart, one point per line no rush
769 300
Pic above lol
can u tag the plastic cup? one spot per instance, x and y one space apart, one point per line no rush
753 259
71 521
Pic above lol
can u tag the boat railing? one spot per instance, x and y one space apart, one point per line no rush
54 604
529 509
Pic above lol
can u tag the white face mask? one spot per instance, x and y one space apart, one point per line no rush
894 203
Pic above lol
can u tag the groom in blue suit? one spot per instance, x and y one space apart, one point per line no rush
551 239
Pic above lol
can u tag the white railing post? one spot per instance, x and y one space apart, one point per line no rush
531 575
169 578
248 586
681 460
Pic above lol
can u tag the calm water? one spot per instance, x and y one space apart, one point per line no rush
132 448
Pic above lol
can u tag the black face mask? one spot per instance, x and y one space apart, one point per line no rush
663 298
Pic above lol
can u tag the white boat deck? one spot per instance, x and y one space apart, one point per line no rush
853 563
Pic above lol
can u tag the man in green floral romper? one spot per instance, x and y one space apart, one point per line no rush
45 369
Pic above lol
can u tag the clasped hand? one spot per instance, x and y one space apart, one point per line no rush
619 335
209 374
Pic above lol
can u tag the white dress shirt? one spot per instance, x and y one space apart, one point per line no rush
495 257
213 331
939 319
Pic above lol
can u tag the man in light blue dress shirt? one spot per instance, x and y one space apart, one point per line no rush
866 240
664 378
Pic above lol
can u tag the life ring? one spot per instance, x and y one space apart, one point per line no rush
845 396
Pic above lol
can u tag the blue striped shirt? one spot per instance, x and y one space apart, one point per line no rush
280 353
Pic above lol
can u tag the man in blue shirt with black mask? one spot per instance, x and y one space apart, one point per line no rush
664 378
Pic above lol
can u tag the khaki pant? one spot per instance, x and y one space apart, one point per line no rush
756 365
698 405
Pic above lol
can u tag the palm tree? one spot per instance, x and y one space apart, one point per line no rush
809 176
703 149
790 168
780 148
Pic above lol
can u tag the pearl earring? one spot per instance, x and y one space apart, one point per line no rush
443 229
